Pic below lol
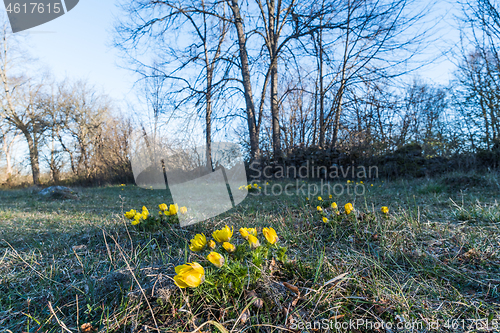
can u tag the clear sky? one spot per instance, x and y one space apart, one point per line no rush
78 45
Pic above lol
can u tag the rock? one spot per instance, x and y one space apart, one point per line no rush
58 192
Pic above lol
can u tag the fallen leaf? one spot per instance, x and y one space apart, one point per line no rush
291 287
87 328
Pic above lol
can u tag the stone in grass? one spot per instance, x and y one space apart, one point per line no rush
58 192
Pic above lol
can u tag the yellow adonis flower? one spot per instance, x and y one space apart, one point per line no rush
229 247
307 198
223 235
211 244
320 198
183 210
330 196
137 219
163 207
325 219
361 182
130 214
145 212
270 235
348 208
173 209
248 231
189 275
253 242
198 243
385 209
334 205
319 209
216 259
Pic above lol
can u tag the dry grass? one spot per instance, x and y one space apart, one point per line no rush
435 259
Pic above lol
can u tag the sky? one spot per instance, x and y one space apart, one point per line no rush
78 45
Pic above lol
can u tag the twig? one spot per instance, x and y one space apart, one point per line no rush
63 325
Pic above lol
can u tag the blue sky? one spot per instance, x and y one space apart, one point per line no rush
77 45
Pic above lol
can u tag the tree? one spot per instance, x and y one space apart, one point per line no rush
205 23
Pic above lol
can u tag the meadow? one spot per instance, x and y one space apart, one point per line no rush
431 264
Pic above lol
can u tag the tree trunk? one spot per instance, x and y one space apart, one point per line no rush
208 120
275 110
35 165
340 95
247 87
322 127
273 41
8 158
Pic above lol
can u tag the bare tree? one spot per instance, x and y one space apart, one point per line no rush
203 21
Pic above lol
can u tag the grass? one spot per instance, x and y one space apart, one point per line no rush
434 262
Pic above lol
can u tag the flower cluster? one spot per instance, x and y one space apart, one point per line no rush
192 274
136 217
330 211
250 187
166 214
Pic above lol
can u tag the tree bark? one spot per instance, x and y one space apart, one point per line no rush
247 86
34 160
274 78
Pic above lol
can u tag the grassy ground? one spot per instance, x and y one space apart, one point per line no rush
433 264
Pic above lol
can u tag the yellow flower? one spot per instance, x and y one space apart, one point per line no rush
319 209
253 242
137 219
325 219
228 246
334 205
371 184
183 210
160 212
189 275
198 242
163 207
145 212
255 185
270 235
307 198
223 235
267 183
385 209
173 209
348 208
211 244
216 259
130 214
348 181
248 231
320 198
330 196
